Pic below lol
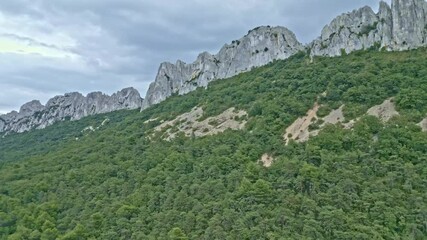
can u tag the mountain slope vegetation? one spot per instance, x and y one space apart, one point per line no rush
124 181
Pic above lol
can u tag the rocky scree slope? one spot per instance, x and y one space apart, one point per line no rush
71 106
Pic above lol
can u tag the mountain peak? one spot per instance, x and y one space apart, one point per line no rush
30 108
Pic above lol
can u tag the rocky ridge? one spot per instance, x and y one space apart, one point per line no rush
259 47
402 26
71 106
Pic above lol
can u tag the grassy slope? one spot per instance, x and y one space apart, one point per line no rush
115 183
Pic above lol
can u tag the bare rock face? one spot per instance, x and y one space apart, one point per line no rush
399 27
30 108
409 23
347 32
259 47
384 111
71 106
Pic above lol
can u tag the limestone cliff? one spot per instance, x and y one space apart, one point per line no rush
399 27
71 106
259 47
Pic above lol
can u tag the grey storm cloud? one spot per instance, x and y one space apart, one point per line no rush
106 45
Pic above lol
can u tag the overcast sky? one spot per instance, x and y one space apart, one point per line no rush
50 47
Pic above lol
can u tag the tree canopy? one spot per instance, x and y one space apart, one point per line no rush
123 182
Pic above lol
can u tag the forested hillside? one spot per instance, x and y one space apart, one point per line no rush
124 181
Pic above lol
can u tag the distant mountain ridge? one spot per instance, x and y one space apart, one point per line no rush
71 106
401 26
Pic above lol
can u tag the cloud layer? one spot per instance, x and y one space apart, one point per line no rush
53 47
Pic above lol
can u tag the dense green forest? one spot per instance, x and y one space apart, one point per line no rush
123 182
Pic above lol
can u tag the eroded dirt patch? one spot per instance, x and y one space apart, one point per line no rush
189 124
305 127
298 130
423 125
384 111
334 117
266 160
